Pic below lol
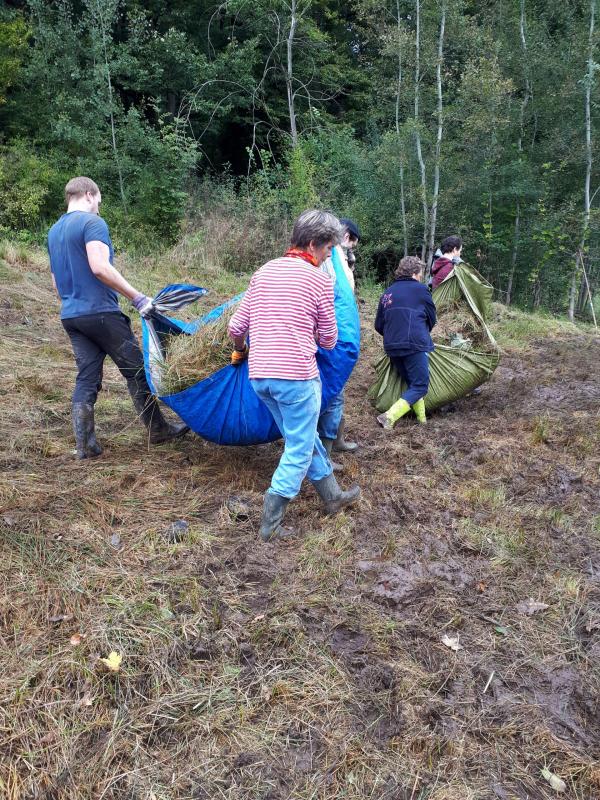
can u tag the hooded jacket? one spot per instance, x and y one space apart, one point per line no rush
405 317
442 267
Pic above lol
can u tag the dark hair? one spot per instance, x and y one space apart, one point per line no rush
319 227
409 266
449 243
351 227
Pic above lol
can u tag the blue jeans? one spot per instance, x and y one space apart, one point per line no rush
414 369
295 407
330 419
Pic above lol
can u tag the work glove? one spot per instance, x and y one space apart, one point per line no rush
143 305
239 356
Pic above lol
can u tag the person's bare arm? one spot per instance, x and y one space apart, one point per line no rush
98 258
55 286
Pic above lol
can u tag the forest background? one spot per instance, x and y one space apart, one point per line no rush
417 118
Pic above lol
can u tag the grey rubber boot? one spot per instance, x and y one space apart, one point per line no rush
328 445
332 495
340 445
150 414
274 508
82 415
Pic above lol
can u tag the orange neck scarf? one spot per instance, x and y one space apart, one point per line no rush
295 252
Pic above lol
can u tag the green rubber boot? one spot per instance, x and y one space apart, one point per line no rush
328 445
419 409
334 499
274 508
393 414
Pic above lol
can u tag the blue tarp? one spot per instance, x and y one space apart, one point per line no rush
223 408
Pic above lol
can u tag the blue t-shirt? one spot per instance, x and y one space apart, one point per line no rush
80 290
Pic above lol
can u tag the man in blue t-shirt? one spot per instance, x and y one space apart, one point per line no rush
81 256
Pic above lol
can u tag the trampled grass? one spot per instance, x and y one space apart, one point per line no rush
314 669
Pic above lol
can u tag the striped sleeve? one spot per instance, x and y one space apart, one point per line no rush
326 322
239 323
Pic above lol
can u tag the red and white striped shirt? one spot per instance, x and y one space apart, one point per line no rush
288 306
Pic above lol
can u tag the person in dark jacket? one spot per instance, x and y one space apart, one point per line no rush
405 317
446 259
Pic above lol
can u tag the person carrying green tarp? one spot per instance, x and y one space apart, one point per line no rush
465 354
405 317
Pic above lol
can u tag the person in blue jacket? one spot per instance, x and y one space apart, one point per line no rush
405 317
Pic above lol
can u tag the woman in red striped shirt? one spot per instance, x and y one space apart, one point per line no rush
286 311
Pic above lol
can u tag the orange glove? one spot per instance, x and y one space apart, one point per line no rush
239 356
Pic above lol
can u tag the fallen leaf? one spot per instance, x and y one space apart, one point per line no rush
531 606
481 586
452 642
555 782
501 629
113 662
86 700
76 639
61 618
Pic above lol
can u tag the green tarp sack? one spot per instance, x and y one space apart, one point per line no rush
453 371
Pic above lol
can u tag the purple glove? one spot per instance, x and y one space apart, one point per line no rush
143 304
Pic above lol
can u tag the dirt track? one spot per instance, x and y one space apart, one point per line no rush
314 668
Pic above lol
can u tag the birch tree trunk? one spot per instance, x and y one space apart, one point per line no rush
417 131
400 143
589 80
102 24
290 73
438 142
527 97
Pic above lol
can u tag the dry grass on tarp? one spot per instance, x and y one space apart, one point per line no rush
191 359
458 320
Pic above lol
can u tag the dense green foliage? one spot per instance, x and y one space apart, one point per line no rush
291 103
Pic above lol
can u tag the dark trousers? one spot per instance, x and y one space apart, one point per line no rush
414 369
95 336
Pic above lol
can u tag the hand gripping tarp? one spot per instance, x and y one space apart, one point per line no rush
224 408
453 371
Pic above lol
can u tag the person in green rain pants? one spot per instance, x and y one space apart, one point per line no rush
405 317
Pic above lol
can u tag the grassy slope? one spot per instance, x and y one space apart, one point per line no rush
313 669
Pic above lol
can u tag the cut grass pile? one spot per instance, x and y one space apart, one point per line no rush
457 327
190 359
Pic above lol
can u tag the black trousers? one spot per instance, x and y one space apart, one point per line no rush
95 336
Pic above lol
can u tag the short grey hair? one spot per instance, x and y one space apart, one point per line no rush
318 227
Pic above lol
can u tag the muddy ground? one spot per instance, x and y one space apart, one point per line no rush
314 668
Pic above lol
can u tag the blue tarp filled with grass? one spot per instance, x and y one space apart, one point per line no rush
223 408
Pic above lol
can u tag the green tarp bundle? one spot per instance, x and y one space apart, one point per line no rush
454 371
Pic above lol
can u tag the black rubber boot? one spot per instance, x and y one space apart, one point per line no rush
274 507
340 445
332 495
82 415
328 445
150 414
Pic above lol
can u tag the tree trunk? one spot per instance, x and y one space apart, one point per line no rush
589 81
513 259
417 131
400 143
110 102
290 74
526 98
438 142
